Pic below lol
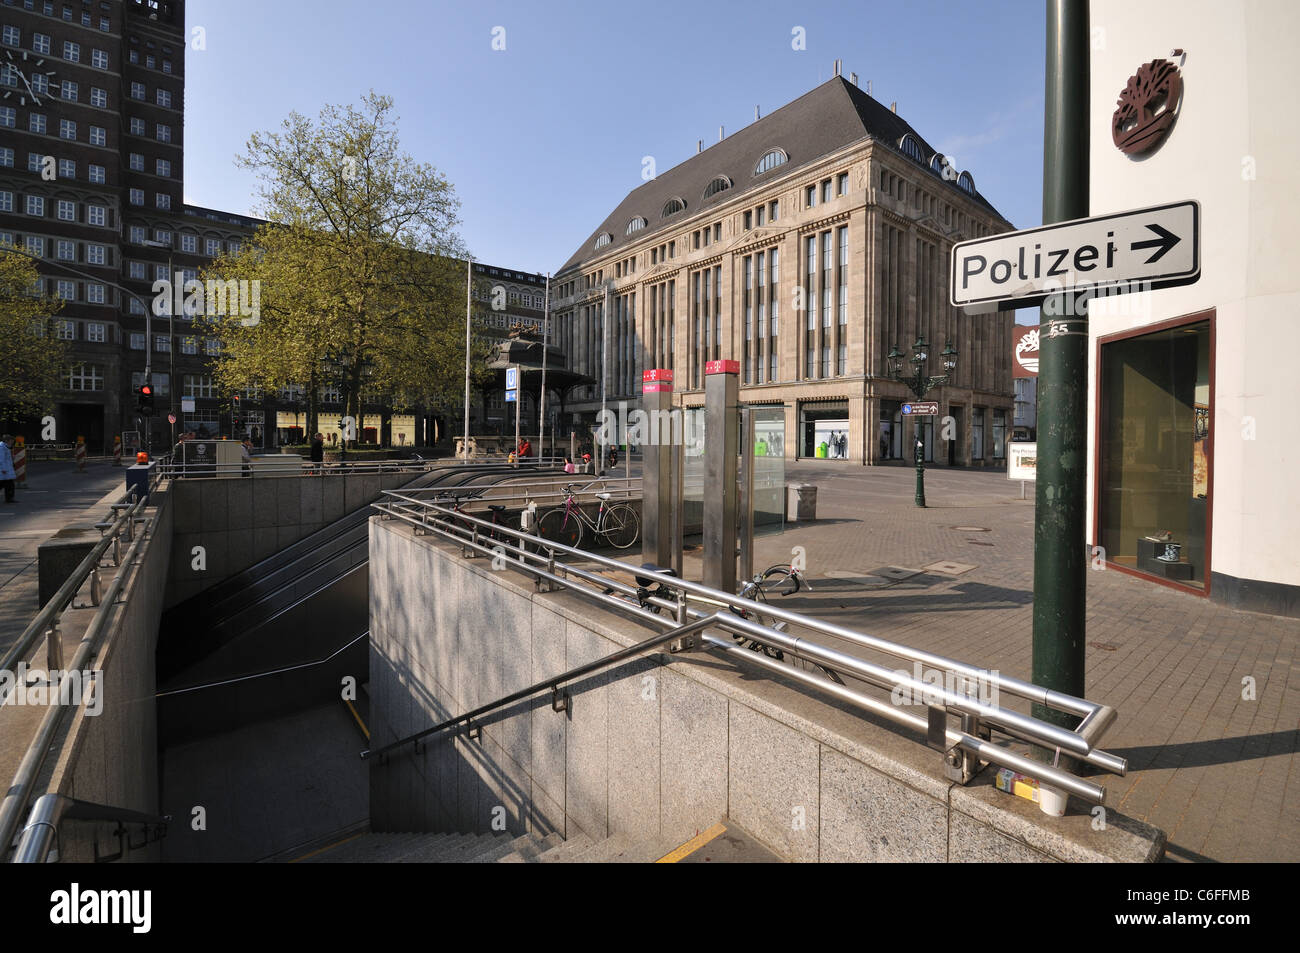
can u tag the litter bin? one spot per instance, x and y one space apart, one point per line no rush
800 502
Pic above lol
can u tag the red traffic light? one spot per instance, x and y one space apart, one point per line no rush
146 390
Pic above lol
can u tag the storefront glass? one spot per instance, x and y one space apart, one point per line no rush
1154 452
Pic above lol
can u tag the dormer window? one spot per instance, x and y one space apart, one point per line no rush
636 225
966 183
672 207
911 148
770 161
720 183
604 239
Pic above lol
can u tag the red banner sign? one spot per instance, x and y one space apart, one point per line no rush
722 367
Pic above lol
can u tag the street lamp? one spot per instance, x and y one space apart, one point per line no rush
920 384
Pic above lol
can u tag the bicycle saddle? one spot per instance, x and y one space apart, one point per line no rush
496 507
602 496
652 568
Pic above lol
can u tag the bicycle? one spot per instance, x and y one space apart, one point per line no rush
644 593
617 525
498 518
774 578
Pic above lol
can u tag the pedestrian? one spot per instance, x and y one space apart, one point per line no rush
317 451
525 449
245 455
7 475
569 467
613 457
586 461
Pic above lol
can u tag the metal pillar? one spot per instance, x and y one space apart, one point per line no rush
656 466
1060 564
746 512
920 465
721 426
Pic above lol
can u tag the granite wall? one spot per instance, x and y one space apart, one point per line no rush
660 747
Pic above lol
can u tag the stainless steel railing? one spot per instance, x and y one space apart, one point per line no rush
127 514
291 465
558 566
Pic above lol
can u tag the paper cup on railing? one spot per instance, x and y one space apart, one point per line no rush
1051 801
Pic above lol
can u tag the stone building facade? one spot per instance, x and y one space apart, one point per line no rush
805 246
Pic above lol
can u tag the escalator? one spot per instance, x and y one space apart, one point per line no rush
274 636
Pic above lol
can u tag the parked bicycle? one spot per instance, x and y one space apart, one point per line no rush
785 580
498 517
616 524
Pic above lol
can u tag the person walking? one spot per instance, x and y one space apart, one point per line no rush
317 452
7 474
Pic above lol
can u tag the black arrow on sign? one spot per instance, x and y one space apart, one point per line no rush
1166 241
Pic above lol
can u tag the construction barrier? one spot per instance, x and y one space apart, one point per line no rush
81 454
20 461
117 451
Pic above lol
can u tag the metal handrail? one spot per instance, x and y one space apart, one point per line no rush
188 689
20 790
620 490
550 684
170 469
124 513
49 809
524 554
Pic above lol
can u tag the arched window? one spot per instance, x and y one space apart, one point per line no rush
966 183
770 161
911 148
604 239
672 207
636 225
720 183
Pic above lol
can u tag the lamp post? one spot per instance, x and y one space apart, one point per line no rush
920 384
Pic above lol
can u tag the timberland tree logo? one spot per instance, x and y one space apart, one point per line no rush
1147 108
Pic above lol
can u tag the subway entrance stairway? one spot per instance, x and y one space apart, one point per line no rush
501 701
262 689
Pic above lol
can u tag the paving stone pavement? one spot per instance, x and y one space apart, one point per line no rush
1217 772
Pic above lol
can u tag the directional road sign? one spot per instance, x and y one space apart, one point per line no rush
512 395
921 408
1147 248
512 378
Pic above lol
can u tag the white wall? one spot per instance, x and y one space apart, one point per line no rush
1240 88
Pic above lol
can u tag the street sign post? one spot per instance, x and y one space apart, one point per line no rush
1148 248
512 395
512 378
921 408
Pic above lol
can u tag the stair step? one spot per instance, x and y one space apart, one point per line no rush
564 852
523 845
461 849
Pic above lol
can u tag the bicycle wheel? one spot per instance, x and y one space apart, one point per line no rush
621 527
560 526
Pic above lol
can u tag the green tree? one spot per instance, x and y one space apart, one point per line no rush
360 271
31 355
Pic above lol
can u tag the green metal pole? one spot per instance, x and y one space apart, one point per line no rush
920 465
1060 563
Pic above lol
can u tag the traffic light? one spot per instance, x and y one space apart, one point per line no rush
146 400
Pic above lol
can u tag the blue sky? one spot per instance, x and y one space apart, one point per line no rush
542 139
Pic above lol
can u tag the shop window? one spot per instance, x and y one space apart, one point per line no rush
1153 454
